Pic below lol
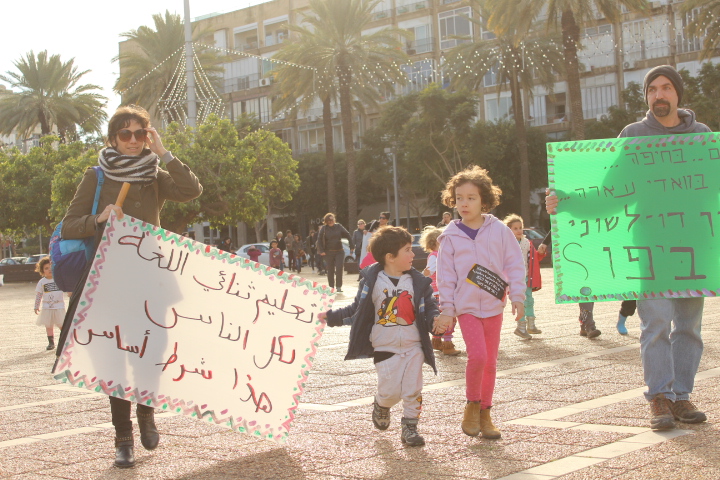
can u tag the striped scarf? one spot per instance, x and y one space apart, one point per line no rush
140 169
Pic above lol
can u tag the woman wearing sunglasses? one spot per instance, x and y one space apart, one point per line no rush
134 154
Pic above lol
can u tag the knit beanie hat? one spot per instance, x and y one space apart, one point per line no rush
670 73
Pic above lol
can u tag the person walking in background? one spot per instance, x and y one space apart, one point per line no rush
383 220
531 257
226 245
671 344
311 249
357 239
429 243
477 254
254 253
446 218
290 247
330 247
50 297
299 253
281 245
275 255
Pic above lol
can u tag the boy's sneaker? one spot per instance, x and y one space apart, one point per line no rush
410 434
531 328
521 330
437 343
662 416
380 416
684 411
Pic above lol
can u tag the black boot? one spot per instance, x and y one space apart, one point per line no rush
51 343
124 455
149 436
588 322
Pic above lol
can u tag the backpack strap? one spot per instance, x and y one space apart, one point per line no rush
100 180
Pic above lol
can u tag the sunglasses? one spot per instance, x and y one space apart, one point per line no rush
125 135
383 218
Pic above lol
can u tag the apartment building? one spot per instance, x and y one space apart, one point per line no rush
612 56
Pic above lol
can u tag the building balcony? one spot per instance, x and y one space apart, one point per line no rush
237 84
422 45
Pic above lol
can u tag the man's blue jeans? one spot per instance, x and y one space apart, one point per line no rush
670 345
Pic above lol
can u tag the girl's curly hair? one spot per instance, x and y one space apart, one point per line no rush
489 193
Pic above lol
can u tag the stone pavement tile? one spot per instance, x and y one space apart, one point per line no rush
651 455
673 471
307 421
337 393
703 456
449 432
181 425
531 451
580 437
66 450
146 466
16 466
595 472
503 411
53 423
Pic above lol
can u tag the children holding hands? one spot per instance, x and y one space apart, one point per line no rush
478 260
390 319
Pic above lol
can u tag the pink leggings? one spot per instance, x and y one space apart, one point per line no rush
482 340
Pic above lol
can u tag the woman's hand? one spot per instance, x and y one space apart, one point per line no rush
442 323
542 248
322 316
106 213
518 309
155 143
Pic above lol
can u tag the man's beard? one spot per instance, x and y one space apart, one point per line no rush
661 108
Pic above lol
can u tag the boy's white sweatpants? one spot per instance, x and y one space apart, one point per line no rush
400 378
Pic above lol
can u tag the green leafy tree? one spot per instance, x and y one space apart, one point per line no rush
519 60
705 24
568 16
144 72
340 51
702 94
50 95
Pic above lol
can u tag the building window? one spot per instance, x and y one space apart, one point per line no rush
597 100
497 108
420 75
455 23
684 42
423 42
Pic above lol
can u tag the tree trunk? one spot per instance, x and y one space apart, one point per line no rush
44 125
329 155
258 231
346 112
521 133
571 36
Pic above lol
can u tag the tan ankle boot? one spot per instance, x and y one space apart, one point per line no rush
437 343
486 426
471 419
448 348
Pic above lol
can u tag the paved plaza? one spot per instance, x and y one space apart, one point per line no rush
568 407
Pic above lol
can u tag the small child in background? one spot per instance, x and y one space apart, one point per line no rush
276 255
479 266
532 257
390 319
254 253
429 243
49 295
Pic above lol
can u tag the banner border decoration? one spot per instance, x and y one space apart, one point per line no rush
161 402
601 145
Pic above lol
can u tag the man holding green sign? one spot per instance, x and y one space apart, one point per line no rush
667 283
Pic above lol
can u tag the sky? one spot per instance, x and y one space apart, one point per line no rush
88 31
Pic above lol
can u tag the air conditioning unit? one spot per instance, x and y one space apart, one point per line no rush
626 65
266 82
601 116
411 51
312 118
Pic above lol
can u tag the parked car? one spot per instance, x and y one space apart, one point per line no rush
537 236
35 258
264 248
13 261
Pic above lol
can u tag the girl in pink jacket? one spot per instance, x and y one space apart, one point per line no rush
479 265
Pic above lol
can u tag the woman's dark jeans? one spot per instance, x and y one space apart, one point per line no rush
334 263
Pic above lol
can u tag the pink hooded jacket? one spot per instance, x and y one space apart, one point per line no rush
496 248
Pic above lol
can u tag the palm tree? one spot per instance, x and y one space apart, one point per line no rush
343 56
49 96
516 60
147 63
705 24
571 14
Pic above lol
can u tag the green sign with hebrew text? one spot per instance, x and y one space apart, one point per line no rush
637 217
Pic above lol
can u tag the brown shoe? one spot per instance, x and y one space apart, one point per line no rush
487 428
471 419
449 349
684 411
662 417
437 343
